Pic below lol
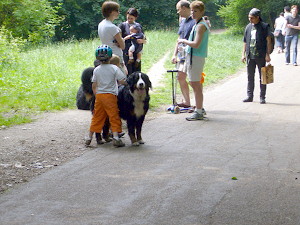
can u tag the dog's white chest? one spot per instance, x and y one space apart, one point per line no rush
139 106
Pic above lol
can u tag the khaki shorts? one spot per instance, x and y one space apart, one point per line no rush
194 72
180 66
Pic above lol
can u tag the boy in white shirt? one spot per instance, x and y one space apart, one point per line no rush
105 87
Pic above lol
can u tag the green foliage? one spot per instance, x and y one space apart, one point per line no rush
81 18
235 12
211 10
9 48
154 16
31 20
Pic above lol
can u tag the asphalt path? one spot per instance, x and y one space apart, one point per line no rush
183 174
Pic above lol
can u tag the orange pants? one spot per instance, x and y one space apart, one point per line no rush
106 105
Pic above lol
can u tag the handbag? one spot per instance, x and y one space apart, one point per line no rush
267 74
277 33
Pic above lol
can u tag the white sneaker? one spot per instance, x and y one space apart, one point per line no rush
195 116
118 142
88 141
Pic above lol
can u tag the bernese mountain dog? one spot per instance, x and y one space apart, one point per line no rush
133 102
85 94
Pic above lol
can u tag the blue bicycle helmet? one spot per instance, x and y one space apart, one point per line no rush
103 52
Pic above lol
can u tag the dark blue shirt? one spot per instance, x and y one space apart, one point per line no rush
185 28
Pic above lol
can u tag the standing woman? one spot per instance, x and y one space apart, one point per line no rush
279 26
131 16
196 54
109 33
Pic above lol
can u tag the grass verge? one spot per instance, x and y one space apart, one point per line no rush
47 79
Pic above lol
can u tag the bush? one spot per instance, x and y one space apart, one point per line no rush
9 48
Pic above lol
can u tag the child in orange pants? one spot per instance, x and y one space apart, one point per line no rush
105 88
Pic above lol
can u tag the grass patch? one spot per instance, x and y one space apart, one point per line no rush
47 79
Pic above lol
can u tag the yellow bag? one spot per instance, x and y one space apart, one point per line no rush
267 74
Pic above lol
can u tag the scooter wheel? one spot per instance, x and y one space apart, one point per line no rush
176 110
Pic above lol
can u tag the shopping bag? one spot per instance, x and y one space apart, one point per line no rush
267 74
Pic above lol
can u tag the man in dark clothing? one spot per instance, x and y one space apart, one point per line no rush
256 51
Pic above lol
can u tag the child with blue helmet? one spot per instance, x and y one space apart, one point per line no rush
105 87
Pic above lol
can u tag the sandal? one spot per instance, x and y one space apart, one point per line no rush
183 105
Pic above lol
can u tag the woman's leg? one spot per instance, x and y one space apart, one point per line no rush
198 93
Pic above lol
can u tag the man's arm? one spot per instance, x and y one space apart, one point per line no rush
243 59
294 27
174 58
269 49
94 87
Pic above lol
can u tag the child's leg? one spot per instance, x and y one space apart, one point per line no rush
98 119
138 60
112 110
130 54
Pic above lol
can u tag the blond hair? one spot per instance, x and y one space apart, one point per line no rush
198 5
115 60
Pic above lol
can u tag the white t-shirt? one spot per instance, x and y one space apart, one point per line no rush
286 14
106 77
107 31
279 23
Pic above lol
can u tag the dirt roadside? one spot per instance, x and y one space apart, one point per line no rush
54 138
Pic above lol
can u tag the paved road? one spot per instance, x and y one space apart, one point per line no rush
182 175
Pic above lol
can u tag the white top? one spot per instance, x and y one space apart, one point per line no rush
286 14
107 31
106 77
279 23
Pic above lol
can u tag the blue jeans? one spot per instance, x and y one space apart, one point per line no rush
280 41
289 40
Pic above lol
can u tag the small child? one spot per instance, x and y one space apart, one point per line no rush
135 33
105 88
115 60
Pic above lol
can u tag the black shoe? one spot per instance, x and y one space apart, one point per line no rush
262 101
249 99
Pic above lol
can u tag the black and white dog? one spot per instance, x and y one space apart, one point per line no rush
85 95
133 102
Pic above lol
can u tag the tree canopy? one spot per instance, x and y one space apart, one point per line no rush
31 20
37 21
235 12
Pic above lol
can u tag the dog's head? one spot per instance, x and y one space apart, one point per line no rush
139 83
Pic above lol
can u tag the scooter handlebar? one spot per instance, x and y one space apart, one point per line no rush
172 71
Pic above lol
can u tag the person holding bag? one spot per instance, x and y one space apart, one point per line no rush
256 51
